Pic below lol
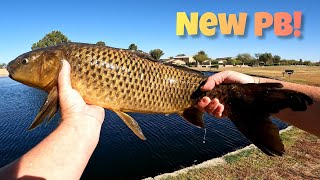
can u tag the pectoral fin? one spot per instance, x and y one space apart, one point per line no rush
48 109
131 123
193 116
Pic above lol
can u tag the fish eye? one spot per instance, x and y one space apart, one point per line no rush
25 61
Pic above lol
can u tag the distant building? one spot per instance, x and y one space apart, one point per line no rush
223 61
174 61
186 59
206 63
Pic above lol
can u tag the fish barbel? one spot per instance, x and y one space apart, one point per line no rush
130 81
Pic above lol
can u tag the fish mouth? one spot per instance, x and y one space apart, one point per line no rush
10 68
10 74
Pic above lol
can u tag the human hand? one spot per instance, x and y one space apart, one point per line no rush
214 107
74 110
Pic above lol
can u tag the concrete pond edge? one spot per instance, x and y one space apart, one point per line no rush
209 163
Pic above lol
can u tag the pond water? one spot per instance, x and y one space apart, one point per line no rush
171 143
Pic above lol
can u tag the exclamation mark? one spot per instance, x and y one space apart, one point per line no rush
297 23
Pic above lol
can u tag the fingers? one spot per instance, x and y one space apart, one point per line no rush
213 107
203 103
209 84
215 79
219 110
64 81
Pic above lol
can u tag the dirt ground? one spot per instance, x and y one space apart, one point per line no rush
302 74
3 72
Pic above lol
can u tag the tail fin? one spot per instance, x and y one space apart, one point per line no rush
249 107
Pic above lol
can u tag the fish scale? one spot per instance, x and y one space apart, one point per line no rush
129 81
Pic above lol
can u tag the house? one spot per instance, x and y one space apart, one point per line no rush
221 62
206 63
186 59
174 61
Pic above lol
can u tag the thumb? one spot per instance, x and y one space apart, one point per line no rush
210 83
64 82
214 80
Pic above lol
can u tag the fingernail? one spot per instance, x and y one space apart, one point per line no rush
204 100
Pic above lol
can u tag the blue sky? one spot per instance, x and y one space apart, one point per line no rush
152 24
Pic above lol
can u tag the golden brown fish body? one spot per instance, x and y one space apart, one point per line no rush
126 81
129 81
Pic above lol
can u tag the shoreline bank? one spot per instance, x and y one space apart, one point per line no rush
209 163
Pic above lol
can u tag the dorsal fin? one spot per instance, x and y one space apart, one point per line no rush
142 54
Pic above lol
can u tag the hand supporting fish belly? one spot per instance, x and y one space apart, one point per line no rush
128 81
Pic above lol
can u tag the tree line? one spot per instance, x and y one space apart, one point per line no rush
265 59
55 37
3 65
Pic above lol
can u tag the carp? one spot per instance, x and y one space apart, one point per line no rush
124 81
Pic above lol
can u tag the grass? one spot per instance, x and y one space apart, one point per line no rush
302 74
302 157
301 161
236 157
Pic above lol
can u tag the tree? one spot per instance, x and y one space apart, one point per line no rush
214 61
300 61
307 63
51 39
181 55
244 58
171 57
101 43
284 62
292 62
3 65
156 53
257 55
229 61
276 59
200 57
133 47
266 58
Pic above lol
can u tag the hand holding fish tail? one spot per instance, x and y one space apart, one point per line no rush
306 120
74 110
214 107
227 77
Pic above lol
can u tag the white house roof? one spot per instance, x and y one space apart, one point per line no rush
177 57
